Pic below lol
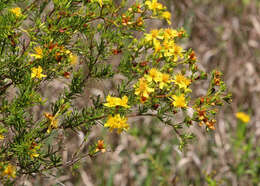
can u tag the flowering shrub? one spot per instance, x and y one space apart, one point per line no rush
43 41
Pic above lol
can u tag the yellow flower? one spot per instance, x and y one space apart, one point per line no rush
179 101
38 52
168 45
37 73
245 118
115 101
53 122
182 82
73 59
168 48
157 46
153 35
111 101
153 75
17 11
33 150
177 51
165 80
167 16
142 88
2 137
117 122
139 21
154 5
9 171
170 33
34 155
124 101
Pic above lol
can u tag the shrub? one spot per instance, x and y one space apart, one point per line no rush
74 40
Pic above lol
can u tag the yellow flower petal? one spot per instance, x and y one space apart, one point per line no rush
37 73
17 11
243 117
117 122
179 101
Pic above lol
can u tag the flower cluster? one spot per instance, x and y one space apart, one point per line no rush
203 117
163 42
59 53
156 80
159 10
76 41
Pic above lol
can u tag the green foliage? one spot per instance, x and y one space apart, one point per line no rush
75 40
245 165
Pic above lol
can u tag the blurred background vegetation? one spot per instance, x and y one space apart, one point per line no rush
225 34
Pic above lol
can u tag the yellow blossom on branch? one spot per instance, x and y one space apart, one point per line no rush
139 21
245 118
117 122
115 101
2 137
38 53
167 16
182 82
164 80
154 5
9 171
153 75
177 51
53 122
168 48
168 45
143 89
33 150
37 73
34 155
157 47
17 11
170 33
153 35
73 59
179 101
